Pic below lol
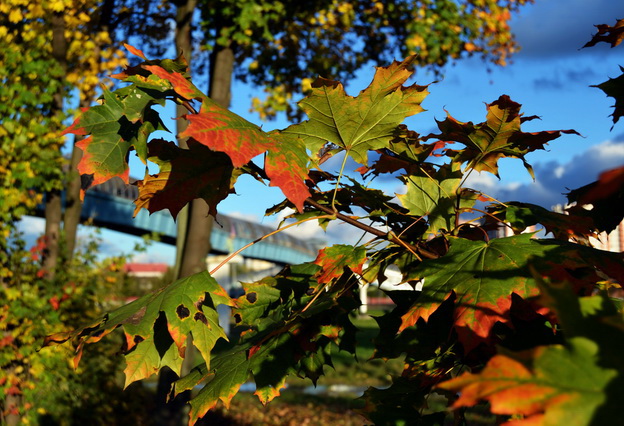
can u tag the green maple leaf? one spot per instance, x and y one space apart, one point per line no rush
259 299
157 324
334 259
436 198
153 353
499 136
552 384
123 121
185 174
272 299
482 276
271 365
366 122
229 373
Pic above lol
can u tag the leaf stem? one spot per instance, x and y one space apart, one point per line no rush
344 162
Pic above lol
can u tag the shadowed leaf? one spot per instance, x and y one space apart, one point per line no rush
498 137
185 175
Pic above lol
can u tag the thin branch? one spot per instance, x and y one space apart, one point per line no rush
264 237
381 234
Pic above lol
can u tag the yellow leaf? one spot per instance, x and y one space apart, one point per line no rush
15 16
57 5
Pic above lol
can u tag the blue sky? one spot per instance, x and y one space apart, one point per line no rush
550 77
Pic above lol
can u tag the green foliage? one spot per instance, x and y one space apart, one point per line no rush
284 45
33 307
519 316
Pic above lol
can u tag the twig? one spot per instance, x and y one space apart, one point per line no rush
381 234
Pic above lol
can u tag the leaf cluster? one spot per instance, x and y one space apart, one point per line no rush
33 307
518 315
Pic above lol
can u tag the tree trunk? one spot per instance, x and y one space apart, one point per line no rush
73 205
53 207
195 225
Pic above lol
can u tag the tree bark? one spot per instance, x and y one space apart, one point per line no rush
73 205
53 207
195 225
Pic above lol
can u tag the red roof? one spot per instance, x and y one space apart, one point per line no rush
145 267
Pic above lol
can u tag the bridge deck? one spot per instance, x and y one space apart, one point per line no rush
111 206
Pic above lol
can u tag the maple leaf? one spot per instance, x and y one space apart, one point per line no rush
607 34
185 174
606 197
499 136
260 298
358 124
122 122
180 83
271 364
483 277
614 88
229 373
435 196
520 216
286 165
334 259
272 299
551 384
156 325
222 130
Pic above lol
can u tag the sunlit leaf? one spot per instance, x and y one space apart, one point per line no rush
550 384
498 137
366 122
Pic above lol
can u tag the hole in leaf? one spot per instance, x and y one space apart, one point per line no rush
162 337
251 297
138 339
237 318
182 311
86 181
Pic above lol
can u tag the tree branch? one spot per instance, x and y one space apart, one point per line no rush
419 249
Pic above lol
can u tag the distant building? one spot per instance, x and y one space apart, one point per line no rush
146 273
613 241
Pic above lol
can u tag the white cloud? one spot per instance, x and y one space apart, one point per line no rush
553 179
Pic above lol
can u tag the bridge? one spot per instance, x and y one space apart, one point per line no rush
110 205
